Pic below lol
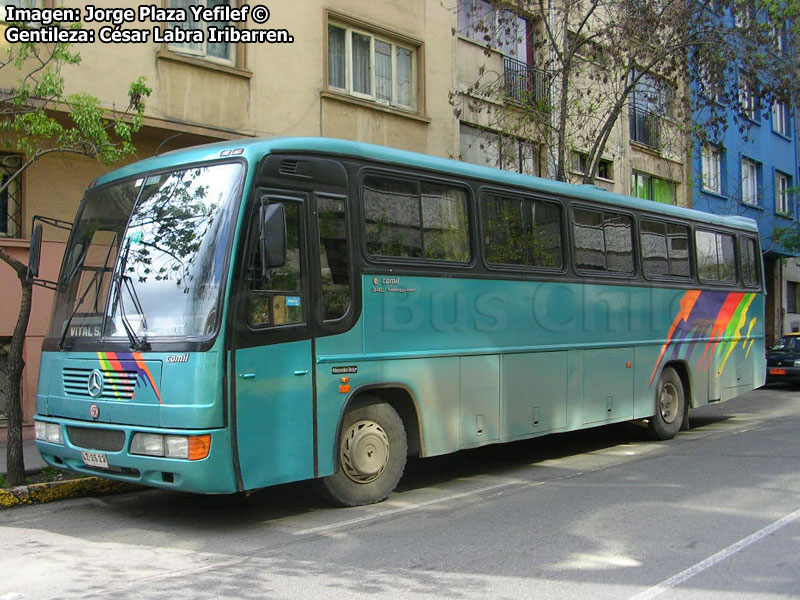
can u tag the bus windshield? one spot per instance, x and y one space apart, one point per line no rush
148 255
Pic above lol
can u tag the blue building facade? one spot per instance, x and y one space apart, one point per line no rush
753 173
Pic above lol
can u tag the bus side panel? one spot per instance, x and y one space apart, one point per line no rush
479 400
534 393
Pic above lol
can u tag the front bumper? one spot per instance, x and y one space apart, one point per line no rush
212 475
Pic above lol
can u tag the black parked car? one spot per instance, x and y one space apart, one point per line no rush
783 359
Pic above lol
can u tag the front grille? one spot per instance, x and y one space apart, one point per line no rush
116 384
107 440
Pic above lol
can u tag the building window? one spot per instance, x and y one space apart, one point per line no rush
499 151
792 297
22 4
782 184
780 37
749 182
10 198
780 118
580 164
711 83
499 28
649 187
748 99
649 102
371 67
214 51
712 168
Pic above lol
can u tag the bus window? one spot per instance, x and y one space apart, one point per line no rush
665 249
603 241
334 258
522 232
276 297
749 264
406 219
716 256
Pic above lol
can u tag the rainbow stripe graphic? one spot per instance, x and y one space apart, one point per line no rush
124 361
719 316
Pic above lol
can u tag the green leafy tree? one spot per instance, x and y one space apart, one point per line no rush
37 119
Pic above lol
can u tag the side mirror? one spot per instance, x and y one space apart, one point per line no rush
34 258
272 235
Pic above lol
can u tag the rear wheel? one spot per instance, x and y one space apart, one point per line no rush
670 406
371 455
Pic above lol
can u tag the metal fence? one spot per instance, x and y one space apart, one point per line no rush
525 84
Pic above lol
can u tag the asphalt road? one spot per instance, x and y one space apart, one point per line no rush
714 513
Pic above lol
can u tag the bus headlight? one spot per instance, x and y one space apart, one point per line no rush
49 432
797 363
177 446
191 447
150 444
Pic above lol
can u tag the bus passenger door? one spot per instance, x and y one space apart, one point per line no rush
272 366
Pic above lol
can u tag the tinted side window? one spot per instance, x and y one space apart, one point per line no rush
521 231
716 256
408 219
603 241
665 249
275 296
749 261
334 257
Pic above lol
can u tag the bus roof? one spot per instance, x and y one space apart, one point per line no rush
255 148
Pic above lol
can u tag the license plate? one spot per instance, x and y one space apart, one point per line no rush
777 371
94 459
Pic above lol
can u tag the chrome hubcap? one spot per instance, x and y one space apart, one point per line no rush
668 402
365 451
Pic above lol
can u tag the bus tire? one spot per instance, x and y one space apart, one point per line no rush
370 456
670 406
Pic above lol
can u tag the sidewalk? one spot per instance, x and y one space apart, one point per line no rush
33 461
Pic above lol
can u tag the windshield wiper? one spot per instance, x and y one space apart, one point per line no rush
121 279
92 282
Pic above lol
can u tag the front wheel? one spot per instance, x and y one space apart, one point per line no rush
670 406
371 456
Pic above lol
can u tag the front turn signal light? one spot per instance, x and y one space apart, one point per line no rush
199 446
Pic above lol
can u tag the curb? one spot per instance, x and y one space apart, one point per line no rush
41 493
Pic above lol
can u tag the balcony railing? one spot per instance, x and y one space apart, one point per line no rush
645 127
525 84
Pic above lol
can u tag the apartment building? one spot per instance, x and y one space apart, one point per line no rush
750 168
505 98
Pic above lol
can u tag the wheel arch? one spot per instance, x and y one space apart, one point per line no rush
402 399
683 371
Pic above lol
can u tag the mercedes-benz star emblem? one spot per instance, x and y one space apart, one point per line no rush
95 383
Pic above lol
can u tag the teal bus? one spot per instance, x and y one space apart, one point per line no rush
239 315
